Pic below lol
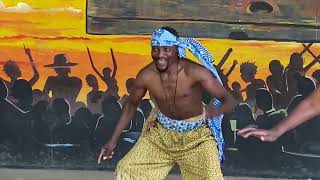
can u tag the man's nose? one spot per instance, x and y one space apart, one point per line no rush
161 53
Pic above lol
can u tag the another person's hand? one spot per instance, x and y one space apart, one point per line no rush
270 135
107 151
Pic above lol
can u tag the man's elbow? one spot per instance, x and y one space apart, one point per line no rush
232 103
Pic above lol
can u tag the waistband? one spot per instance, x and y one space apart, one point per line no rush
181 125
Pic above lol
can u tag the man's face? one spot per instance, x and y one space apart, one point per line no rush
164 56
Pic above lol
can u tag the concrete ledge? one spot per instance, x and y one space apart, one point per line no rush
54 174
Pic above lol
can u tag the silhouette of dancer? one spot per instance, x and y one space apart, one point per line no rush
129 85
295 68
22 92
13 71
236 91
95 96
62 85
106 76
277 84
248 72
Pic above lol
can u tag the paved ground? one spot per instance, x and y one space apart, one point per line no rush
45 174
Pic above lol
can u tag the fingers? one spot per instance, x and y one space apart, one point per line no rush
108 156
245 131
258 133
254 133
100 156
105 155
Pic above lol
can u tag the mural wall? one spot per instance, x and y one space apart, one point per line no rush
68 66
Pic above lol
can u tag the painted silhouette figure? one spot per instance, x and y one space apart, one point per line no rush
236 91
22 93
106 76
62 85
15 130
58 120
295 68
95 96
13 71
129 85
248 72
277 84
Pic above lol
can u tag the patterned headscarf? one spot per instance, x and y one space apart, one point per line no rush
162 37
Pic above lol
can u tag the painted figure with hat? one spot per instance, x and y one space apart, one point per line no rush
62 85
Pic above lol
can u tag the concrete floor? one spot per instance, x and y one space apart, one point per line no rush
54 174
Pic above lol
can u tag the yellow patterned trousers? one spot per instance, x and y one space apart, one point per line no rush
158 149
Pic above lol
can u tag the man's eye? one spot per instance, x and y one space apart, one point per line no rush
167 49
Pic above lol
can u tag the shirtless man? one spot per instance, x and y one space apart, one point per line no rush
185 132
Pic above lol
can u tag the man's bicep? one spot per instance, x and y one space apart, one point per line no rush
137 93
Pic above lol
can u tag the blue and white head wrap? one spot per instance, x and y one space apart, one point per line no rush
162 37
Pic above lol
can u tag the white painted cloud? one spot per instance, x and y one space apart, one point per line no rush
1 5
74 10
23 7
69 9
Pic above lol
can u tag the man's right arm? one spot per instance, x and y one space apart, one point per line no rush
129 108
127 113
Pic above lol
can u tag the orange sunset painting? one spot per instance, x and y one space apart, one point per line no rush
55 27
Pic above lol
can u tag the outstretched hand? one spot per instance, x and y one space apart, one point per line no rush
106 151
264 135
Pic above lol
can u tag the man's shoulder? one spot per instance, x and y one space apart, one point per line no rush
189 62
146 71
191 66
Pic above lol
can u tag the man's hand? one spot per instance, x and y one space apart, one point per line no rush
211 111
270 135
106 151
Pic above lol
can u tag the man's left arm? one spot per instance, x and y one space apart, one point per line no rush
216 89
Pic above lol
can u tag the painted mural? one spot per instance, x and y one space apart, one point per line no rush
67 68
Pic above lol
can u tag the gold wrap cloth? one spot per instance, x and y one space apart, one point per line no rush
158 149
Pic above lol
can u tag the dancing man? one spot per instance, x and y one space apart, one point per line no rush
180 129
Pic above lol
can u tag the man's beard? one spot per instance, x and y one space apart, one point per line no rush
162 70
